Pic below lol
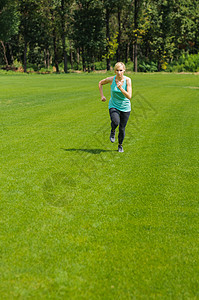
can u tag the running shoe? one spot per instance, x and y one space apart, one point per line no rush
120 148
112 136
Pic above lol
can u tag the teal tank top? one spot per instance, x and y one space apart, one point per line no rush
118 100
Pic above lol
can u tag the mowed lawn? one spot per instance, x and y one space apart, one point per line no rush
78 220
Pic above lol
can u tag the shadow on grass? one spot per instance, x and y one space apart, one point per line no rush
92 151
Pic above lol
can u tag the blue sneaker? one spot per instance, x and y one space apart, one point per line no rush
120 148
112 136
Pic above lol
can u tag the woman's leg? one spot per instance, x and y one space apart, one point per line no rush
124 116
115 121
115 118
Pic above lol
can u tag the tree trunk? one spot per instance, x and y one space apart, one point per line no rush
78 51
93 63
135 28
64 54
45 59
127 53
83 60
55 52
135 58
11 57
159 65
108 63
4 53
63 37
119 35
48 59
71 56
25 57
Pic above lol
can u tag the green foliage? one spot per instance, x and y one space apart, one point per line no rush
159 35
9 19
185 22
46 70
101 65
86 31
112 46
17 63
186 63
143 66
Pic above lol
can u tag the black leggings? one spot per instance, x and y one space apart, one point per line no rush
119 118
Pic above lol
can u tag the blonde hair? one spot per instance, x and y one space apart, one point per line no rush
119 64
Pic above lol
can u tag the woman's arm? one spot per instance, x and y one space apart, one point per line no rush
101 83
128 93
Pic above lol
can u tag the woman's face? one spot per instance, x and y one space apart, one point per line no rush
120 71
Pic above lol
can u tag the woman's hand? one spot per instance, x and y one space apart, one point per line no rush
119 84
128 93
101 83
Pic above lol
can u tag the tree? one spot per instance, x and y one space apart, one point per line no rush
120 5
43 32
9 21
137 14
63 35
30 25
63 7
109 6
158 37
185 18
87 30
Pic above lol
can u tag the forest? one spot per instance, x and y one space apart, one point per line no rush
88 35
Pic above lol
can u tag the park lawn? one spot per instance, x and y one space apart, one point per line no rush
80 220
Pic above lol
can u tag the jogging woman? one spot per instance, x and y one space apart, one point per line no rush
119 103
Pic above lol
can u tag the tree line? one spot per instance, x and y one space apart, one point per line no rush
78 34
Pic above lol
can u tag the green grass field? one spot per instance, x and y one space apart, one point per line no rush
78 220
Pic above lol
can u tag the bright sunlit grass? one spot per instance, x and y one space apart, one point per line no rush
80 220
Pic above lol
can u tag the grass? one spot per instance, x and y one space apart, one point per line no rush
80 220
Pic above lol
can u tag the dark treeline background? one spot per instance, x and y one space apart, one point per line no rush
94 34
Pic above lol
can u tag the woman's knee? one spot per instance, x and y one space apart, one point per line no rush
115 122
115 118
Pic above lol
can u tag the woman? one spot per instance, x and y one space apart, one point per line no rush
119 103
